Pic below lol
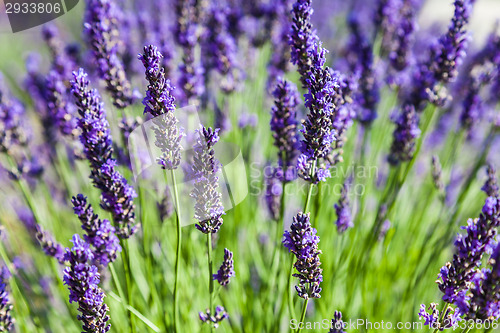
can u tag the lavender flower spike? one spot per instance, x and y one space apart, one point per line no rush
208 207
404 136
6 321
455 276
302 38
160 103
337 323
100 27
100 234
284 126
117 195
302 241
82 280
226 270
343 211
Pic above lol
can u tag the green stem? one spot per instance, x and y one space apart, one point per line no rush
210 275
177 253
303 315
291 307
128 280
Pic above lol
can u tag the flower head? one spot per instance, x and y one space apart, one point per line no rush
6 320
343 211
302 241
226 270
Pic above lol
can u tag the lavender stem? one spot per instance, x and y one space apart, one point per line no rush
210 274
303 316
178 253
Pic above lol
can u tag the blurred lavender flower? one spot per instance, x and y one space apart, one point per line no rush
100 234
367 96
404 136
303 39
274 190
101 33
12 117
490 187
160 103
343 211
117 195
208 207
83 280
57 104
284 126
247 120
436 173
6 320
226 270
302 241
337 323
49 245
400 52
219 46
469 250
186 36
220 315
279 62
165 206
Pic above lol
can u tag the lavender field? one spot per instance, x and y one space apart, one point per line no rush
251 166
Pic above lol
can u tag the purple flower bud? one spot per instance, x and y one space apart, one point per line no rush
337 323
343 211
216 319
226 270
404 136
6 320
490 187
49 245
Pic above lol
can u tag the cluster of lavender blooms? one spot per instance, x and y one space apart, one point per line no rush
274 190
215 319
302 241
160 103
343 211
82 279
100 234
102 36
429 76
117 195
208 206
6 320
463 283
490 187
279 63
226 270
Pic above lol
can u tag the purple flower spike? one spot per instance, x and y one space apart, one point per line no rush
101 32
284 125
303 38
479 239
343 211
117 195
274 190
160 103
6 320
302 241
337 323
208 206
100 233
226 270
12 115
83 280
